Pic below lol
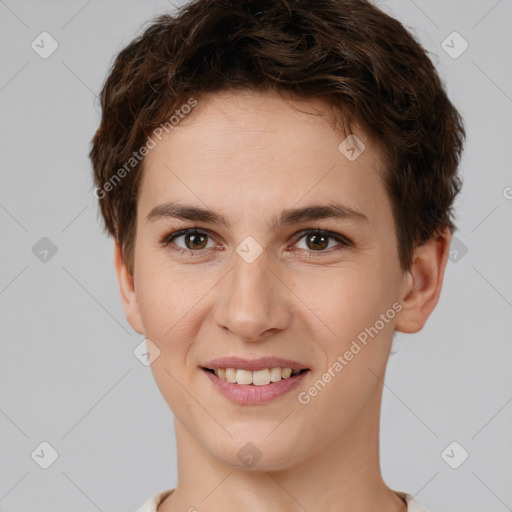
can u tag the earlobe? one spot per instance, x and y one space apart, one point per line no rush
127 289
423 283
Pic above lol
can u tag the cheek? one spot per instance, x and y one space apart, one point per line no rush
356 354
352 336
343 301
168 301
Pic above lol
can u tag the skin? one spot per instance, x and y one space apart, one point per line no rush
248 156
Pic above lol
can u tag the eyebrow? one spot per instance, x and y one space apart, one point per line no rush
287 217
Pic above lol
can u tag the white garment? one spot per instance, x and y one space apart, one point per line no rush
152 504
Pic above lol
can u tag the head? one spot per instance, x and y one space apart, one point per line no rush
274 117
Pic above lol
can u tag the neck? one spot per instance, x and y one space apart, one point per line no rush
344 475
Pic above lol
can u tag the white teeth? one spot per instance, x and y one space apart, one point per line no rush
286 372
257 378
275 374
243 377
261 377
230 375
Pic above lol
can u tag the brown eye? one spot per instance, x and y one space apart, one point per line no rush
317 240
194 240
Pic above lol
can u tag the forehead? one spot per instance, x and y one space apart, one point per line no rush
238 151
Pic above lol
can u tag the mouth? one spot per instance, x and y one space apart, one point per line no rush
254 387
254 381
261 377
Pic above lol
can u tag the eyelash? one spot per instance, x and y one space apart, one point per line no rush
167 239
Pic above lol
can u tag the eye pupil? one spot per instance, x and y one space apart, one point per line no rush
195 238
316 244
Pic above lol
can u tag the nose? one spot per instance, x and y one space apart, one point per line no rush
253 300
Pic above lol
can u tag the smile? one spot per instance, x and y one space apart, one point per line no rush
255 378
254 387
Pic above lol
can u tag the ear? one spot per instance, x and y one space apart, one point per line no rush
127 289
423 284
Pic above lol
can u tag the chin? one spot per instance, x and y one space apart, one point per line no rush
253 449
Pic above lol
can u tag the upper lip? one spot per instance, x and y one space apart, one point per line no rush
253 364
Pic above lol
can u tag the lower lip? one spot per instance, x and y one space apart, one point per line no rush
249 394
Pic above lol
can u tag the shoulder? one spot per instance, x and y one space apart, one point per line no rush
152 503
412 504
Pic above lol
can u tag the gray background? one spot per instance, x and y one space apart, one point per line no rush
68 375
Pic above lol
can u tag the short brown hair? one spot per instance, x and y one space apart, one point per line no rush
354 57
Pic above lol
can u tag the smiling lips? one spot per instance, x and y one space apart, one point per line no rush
256 378
258 372
254 381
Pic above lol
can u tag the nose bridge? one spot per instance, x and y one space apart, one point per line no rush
252 297
250 277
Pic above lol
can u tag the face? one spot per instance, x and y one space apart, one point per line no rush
250 282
